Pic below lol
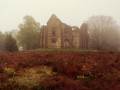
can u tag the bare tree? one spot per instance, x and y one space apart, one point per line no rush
103 33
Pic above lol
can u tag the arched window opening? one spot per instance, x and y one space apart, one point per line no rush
54 32
67 43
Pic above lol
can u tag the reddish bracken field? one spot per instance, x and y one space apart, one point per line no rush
51 70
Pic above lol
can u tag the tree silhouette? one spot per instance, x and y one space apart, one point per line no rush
28 35
1 42
10 43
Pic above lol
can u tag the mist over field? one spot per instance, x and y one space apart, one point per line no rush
59 45
72 12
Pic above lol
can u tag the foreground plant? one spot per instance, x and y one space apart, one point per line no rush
9 71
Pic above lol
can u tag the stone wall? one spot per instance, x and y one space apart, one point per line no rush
59 35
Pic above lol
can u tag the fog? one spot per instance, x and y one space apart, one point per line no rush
72 12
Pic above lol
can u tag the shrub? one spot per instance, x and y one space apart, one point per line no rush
81 77
10 44
9 71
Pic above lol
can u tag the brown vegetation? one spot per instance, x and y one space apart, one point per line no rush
60 70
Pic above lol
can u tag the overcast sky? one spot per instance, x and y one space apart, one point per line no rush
71 12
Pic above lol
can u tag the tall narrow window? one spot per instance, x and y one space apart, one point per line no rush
54 32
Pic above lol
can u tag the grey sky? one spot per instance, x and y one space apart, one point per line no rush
72 12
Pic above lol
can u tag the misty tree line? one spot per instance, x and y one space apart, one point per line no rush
27 36
103 34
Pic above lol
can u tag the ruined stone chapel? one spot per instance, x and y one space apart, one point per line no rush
60 35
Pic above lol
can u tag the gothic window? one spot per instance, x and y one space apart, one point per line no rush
54 32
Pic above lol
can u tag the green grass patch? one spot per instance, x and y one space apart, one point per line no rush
63 49
32 76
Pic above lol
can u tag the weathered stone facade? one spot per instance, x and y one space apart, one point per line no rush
59 35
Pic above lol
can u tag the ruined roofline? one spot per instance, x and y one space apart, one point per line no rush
54 17
66 25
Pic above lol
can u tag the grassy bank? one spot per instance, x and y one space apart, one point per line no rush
63 49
